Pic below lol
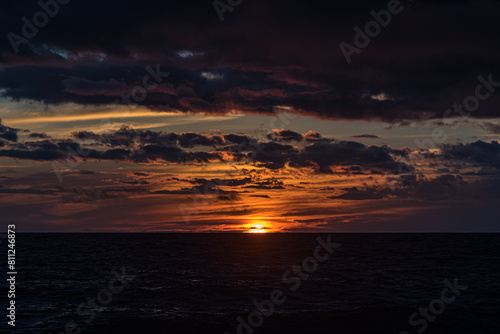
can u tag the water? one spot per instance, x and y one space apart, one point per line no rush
201 283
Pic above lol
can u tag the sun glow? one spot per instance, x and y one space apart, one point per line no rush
254 230
257 229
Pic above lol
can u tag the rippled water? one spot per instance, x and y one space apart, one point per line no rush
201 283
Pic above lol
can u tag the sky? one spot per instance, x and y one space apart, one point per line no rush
231 116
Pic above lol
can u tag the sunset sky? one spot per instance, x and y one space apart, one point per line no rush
157 116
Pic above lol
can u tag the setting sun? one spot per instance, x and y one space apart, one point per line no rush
257 229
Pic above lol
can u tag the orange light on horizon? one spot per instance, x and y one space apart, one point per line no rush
257 229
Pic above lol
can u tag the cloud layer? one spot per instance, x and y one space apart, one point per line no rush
289 59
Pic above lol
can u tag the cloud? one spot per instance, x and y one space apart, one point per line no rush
267 184
315 153
442 188
393 80
232 197
285 135
146 146
86 172
38 135
142 174
261 196
151 153
346 153
364 137
480 153
8 133
223 182
85 87
493 127
173 192
37 154
27 191
127 136
237 139
355 194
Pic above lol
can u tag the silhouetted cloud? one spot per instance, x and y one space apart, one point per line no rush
8 133
145 146
364 137
38 135
267 184
479 152
127 136
346 153
261 196
218 68
223 182
285 135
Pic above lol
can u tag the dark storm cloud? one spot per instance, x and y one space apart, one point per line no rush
145 146
91 52
80 86
36 154
8 133
238 139
191 139
273 155
480 153
151 153
323 155
70 150
127 136
346 153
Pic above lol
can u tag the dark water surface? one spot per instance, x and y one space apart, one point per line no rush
201 283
